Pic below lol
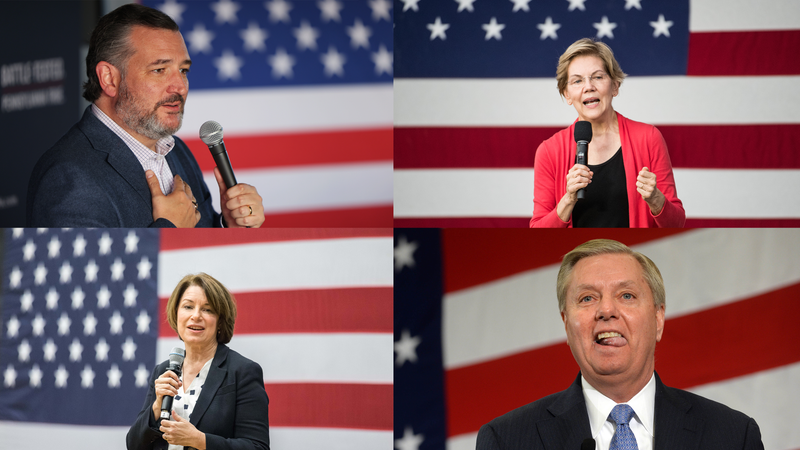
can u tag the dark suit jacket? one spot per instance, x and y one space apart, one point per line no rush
90 178
232 409
683 421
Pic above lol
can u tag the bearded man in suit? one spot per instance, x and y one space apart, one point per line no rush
612 302
120 166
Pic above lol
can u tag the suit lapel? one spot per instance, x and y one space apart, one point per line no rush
673 427
216 375
570 423
177 168
120 157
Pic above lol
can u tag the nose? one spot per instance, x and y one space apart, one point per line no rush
178 84
606 309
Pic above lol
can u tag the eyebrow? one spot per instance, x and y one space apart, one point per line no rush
160 62
620 285
193 301
577 75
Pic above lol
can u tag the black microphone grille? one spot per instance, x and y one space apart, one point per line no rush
588 443
583 131
211 133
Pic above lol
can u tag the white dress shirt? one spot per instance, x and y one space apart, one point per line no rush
155 161
599 407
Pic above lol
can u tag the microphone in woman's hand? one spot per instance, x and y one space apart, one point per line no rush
175 365
583 135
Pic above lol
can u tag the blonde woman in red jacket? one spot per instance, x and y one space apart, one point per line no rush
628 180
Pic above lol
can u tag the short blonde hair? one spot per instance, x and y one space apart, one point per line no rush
608 247
220 300
588 47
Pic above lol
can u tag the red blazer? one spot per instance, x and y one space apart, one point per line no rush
642 146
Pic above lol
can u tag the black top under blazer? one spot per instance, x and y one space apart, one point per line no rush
232 409
91 179
682 421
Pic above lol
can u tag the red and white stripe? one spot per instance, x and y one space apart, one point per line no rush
319 156
314 310
464 148
729 335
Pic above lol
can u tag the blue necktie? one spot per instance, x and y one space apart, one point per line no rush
623 438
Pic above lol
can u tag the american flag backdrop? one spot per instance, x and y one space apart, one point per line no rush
303 91
83 324
478 332
475 95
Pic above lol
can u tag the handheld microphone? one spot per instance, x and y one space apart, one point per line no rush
588 444
583 135
175 364
211 135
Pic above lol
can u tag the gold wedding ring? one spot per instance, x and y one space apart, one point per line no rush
251 210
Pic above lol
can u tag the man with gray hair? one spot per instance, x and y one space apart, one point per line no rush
612 302
120 166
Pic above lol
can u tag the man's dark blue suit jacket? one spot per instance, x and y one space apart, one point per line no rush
232 409
90 178
682 421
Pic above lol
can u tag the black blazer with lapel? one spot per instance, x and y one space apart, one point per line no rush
232 409
90 178
682 421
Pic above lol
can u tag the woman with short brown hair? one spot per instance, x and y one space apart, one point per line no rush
219 399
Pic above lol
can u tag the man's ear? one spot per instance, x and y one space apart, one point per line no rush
660 322
110 78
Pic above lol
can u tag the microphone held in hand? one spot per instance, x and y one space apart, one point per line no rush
588 444
583 135
211 135
175 365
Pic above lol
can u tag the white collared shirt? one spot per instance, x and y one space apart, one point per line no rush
599 407
155 161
